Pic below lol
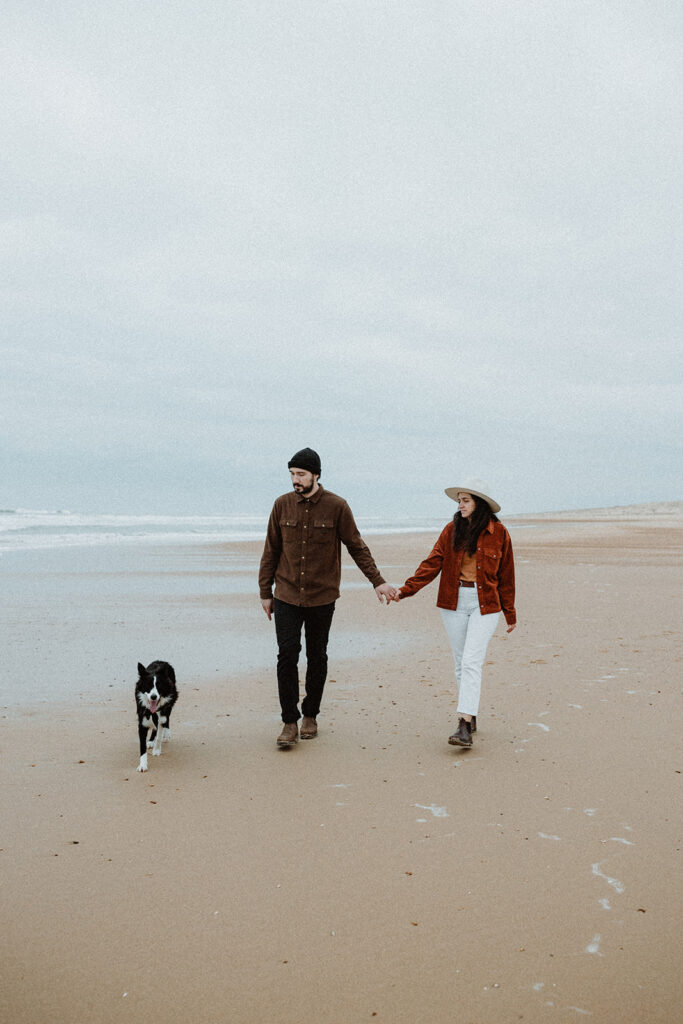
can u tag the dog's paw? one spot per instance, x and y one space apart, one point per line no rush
155 752
166 735
142 767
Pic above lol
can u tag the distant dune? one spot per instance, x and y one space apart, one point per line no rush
662 509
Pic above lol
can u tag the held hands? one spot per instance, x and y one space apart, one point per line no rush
386 592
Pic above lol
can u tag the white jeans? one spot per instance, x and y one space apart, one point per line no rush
469 633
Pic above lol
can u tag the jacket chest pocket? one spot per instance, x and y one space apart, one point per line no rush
491 559
289 523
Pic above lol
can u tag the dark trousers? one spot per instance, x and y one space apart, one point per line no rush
289 619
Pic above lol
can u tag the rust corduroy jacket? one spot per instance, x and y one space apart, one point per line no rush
495 572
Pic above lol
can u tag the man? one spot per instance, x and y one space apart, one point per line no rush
302 556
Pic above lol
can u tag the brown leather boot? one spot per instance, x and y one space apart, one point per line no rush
462 737
309 728
289 735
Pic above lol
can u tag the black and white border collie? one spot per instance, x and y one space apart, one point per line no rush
155 695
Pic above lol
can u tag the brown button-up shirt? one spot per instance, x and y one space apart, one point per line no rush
302 553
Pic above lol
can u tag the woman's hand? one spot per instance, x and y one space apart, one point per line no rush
510 628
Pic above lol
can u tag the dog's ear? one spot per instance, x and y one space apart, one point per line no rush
141 669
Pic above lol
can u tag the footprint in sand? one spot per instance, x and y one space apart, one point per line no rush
438 812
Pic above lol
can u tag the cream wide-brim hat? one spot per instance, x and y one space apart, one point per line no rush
473 486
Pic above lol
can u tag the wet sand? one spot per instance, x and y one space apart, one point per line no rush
375 873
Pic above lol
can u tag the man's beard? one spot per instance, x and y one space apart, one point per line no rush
304 490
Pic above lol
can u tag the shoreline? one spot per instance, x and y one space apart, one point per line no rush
102 600
40 536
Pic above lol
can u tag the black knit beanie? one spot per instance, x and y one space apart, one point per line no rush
305 459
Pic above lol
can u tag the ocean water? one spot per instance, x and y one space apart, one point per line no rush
31 530
85 597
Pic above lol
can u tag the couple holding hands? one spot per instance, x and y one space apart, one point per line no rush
302 557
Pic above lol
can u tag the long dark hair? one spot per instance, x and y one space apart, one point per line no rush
466 531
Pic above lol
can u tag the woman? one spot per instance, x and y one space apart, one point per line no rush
474 556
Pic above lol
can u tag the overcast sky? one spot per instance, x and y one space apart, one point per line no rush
429 239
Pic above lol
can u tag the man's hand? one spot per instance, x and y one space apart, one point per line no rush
267 605
385 592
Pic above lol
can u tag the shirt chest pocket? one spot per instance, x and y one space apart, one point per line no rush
323 531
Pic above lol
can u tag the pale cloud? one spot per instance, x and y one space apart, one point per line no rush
435 233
